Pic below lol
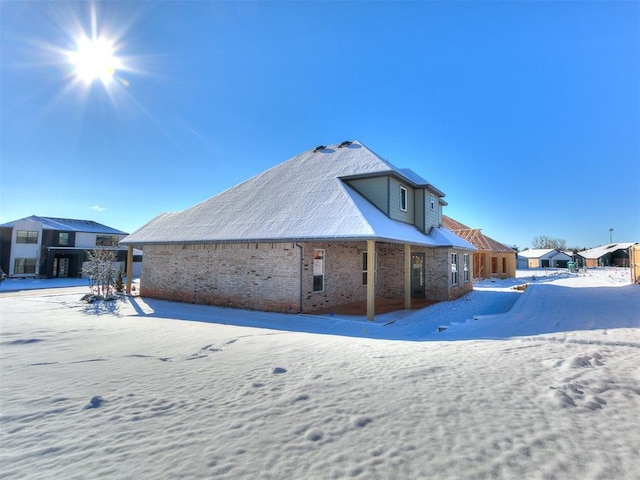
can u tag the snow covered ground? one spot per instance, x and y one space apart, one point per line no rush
543 384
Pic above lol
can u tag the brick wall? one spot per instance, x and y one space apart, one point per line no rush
266 276
438 274
253 276
342 275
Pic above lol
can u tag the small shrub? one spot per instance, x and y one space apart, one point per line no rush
119 283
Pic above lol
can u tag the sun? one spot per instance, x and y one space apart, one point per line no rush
94 59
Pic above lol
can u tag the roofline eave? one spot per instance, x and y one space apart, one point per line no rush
354 238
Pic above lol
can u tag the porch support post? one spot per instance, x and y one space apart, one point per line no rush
407 277
371 279
129 267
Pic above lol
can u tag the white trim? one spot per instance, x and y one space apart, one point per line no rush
406 198
318 268
454 268
465 267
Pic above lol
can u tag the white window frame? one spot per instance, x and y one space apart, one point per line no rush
454 269
433 201
404 198
318 269
465 267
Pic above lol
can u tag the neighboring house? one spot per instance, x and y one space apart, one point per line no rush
331 226
56 247
545 258
492 258
615 254
634 262
521 262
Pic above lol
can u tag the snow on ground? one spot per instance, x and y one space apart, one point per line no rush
543 384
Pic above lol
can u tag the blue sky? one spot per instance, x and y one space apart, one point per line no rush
526 114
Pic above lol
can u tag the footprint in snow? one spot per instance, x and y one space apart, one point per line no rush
95 402
279 370
314 435
361 421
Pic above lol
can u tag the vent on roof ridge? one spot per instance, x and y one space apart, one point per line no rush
346 143
319 148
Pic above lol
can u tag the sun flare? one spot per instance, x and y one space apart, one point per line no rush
94 59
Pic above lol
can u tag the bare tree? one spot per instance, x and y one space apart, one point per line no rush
99 269
544 241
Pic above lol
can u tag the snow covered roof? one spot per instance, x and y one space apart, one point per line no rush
538 252
597 252
475 236
304 198
69 225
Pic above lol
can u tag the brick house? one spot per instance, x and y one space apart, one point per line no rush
53 247
492 259
331 226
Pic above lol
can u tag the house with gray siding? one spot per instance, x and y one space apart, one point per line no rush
331 226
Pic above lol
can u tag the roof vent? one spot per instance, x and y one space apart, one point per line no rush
319 148
346 143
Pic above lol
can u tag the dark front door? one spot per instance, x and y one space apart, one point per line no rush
417 275
61 266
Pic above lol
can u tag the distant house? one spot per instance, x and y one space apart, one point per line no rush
634 262
55 247
333 225
492 258
545 258
615 254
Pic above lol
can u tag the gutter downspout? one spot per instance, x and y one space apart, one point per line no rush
301 272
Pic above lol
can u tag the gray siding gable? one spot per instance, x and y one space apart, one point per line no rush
395 212
384 193
376 190
433 218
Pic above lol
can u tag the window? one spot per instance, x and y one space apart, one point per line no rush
106 240
365 258
403 199
63 238
433 201
454 269
24 266
465 267
504 265
27 236
318 270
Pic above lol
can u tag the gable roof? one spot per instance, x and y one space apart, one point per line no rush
597 252
69 225
304 198
538 252
475 236
452 224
